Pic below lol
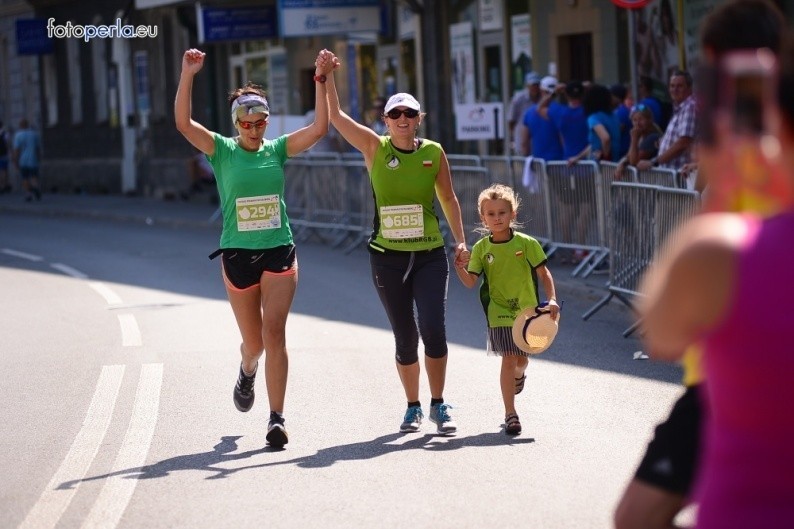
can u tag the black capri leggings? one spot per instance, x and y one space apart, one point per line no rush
405 278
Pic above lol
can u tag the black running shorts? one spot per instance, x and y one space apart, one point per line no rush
244 268
673 454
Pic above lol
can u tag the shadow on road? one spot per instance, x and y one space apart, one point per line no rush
223 452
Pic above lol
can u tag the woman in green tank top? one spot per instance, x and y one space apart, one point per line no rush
407 252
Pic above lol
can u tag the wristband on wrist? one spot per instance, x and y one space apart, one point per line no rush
320 78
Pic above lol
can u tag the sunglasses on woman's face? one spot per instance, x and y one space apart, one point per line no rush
395 113
251 124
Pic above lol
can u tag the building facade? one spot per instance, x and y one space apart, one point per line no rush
102 98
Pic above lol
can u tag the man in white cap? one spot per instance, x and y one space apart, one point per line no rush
519 106
539 136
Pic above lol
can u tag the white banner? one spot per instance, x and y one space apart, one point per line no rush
479 121
491 15
461 45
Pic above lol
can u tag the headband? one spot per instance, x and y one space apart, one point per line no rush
249 104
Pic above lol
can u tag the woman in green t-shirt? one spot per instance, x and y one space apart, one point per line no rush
259 265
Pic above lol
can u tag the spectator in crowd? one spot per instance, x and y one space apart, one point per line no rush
644 138
519 106
603 129
27 155
703 287
653 498
5 148
646 97
569 118
675 148
622 113
540 137
377 121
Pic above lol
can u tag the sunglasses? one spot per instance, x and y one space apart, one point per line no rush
638 108
252 124
395 113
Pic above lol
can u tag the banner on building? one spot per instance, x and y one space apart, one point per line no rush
461 46
490 14
657 42
521 46
304 18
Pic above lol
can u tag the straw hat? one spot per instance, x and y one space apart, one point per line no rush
534 330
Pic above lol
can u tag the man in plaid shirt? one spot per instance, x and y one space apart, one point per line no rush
675 148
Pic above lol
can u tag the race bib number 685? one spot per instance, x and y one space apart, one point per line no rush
402 222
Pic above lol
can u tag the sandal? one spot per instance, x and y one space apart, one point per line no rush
520 383
512 424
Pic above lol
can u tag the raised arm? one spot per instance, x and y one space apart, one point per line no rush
196 133
359 136
304 138
606 142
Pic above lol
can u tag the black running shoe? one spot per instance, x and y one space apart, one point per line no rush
276 433
244 391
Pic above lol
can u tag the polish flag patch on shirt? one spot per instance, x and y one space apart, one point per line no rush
427 163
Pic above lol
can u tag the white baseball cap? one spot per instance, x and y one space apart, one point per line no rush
401 100
548 83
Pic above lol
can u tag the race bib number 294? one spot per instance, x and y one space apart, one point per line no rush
258 213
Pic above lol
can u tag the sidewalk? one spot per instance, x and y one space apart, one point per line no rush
176 213
193 214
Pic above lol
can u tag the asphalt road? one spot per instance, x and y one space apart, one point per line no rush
119 354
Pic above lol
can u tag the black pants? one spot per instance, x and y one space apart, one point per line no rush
403 279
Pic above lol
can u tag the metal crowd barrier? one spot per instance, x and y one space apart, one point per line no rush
642 218
468 181
657 176
499 168
462 160
576 213
531 186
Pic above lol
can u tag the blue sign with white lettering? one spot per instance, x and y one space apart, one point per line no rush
237 23
32 38
300 18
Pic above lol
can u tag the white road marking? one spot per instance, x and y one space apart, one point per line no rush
68 270
130 333
103 290
119 487
22 255
53 502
